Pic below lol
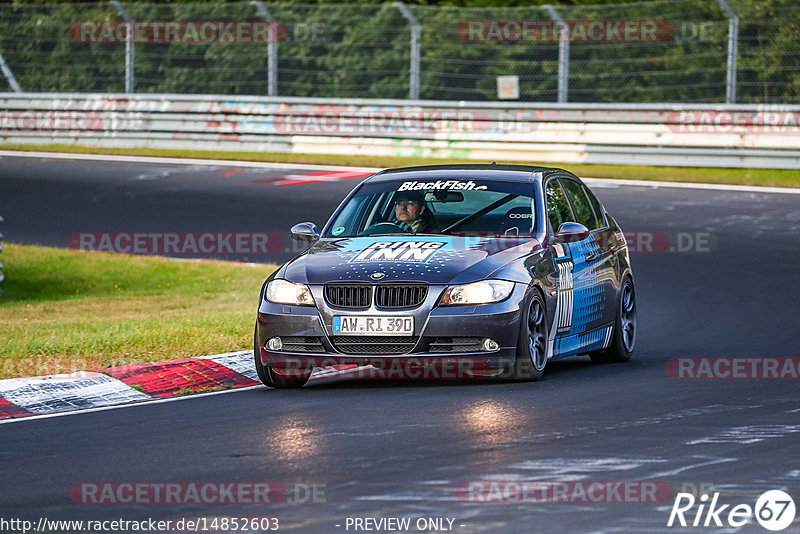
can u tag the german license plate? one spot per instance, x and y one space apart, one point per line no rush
373 326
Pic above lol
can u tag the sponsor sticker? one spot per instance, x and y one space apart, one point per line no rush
453 185
410 251
337 231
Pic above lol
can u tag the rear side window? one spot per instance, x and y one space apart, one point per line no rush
557 207
579 202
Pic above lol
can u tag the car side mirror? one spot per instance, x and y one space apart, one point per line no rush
571 231
304 231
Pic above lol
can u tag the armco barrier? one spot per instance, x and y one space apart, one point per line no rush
700 135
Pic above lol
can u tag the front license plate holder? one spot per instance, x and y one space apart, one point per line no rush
359 325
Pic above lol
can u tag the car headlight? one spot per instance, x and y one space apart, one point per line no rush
482 292
285 292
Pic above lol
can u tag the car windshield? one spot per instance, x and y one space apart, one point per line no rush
453 206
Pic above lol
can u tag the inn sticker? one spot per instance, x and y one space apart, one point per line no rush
408 251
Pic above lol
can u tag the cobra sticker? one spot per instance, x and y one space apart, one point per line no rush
411 251
452 185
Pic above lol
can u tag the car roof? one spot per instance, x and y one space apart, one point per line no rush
519 173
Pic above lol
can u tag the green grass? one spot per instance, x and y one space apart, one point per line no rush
762 177
65 311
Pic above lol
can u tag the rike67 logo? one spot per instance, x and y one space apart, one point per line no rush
774 510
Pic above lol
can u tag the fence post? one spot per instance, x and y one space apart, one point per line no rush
563 53
12 81
733 50
413 78
272 48
129 43
2 276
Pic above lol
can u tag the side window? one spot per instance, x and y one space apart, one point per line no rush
596 206
579 202
557 207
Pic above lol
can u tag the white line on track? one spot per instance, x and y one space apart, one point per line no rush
318 374
689 185
266 165
183 161
128 405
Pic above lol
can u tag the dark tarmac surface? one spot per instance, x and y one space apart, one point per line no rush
400 449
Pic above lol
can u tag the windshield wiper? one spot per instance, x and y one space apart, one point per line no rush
394 233
481 212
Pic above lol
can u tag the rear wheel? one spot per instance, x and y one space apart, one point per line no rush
625 329
532 348
269 377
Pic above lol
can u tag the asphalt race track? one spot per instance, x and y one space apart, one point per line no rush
400 449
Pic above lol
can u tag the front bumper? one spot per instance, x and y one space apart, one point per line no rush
499 321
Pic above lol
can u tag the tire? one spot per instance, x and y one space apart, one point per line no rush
625 328
532 348
269 377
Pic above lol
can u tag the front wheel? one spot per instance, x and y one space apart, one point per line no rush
625 329
269 377
532 348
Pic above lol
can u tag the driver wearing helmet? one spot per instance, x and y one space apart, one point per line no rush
411 213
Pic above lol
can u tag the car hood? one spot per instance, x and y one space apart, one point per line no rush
432 259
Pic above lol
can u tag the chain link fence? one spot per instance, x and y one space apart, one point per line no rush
704 51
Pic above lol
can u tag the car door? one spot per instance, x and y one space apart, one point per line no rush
594 279
566 256
607 263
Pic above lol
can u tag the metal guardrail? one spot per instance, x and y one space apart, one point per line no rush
764 136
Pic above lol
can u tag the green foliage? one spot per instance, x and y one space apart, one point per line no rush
362 50
65 311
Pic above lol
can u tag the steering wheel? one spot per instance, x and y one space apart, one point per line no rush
383 228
